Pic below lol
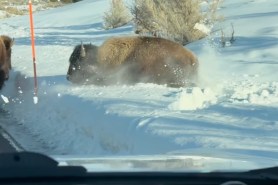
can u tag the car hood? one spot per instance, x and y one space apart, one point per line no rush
190 161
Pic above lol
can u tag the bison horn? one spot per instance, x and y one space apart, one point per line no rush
82 52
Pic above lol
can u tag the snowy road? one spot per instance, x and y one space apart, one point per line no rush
7 142
15 137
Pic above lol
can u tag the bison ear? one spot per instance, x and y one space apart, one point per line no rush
82 51
7 41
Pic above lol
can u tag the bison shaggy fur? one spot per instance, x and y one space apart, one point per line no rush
129 60
6 44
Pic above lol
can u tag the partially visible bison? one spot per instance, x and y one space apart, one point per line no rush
6 44
129 60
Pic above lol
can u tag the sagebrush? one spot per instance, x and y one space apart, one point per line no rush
117 15
174 19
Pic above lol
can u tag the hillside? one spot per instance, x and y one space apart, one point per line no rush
16 8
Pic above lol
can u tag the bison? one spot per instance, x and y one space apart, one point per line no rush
129 60
6 44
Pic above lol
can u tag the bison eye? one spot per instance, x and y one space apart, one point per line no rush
73 68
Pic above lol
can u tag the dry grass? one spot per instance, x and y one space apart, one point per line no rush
117 15
9 11
11 8
175 19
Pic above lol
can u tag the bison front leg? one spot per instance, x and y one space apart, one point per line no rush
2 78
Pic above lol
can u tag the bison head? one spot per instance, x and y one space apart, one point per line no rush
7 64
83 61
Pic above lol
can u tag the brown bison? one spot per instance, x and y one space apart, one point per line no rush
129 60
6 44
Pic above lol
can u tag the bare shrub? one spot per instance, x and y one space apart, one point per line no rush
210 13
175 19
117 15
227 40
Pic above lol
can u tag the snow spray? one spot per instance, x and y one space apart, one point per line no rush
33 53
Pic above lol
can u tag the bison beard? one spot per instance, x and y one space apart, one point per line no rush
2 78
129 60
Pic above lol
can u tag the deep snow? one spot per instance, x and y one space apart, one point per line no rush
233 109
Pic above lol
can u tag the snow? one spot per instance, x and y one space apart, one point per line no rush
234 108
193 99
5 99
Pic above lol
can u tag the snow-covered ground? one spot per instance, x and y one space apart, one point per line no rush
235 107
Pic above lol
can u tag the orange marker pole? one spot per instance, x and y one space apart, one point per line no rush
33 48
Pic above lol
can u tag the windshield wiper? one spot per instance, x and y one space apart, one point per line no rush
265 173
27 167
29 164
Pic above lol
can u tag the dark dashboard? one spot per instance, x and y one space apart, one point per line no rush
33 168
